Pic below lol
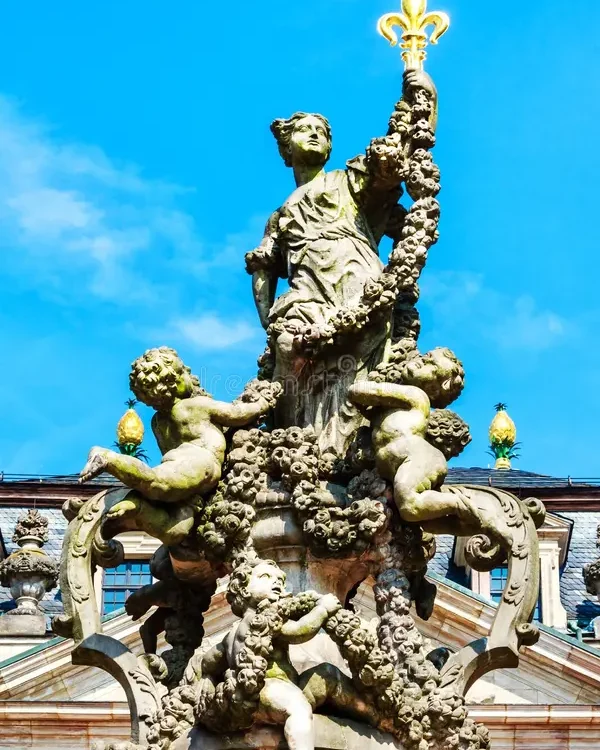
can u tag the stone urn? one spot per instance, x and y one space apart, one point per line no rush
29 572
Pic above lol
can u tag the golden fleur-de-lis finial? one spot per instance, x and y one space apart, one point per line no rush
414 20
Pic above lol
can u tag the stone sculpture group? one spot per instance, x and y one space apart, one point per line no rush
326 472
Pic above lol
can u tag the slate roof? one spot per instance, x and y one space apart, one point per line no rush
580 605
516 479
512 479
103 479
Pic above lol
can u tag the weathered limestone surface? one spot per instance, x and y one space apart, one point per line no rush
326 472
330 734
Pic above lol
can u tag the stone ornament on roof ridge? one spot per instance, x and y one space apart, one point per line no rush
32 524
29 572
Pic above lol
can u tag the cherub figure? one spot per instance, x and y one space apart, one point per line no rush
285 697
189 429
399 417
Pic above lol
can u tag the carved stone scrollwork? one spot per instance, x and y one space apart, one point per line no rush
133 673
83 548
509 536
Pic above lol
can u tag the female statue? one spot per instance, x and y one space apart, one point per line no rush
324 240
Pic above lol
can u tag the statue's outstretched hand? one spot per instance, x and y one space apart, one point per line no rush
414 80
331 603
137 605
96 464
262 390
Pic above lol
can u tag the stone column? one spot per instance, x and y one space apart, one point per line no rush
553 613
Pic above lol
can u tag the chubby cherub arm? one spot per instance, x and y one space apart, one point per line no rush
367 393
212 668
238 413
256 400
302 630
214 661
158 594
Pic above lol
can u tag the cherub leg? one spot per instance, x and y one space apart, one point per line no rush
186 470
418 503
152 628
284 703
416 500
327 685
170 525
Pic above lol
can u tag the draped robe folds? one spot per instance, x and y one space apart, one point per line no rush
329 248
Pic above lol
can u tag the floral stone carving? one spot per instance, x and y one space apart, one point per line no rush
326 472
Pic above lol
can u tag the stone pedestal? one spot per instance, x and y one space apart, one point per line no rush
330 734
33 625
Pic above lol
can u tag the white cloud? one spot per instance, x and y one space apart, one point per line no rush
211 333
464 299
70 210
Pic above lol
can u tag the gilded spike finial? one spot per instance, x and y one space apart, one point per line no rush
414 20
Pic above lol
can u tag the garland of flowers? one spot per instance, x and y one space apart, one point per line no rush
408 257
330 529
283 467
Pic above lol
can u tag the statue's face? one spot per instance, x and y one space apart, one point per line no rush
435 365
266 582
441 366
309 142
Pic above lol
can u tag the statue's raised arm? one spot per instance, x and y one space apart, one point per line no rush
378 176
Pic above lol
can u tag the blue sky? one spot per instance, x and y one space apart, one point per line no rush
137 168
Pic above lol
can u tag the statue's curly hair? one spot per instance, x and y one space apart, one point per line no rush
448 432
154 375
283 128
237 594
444 386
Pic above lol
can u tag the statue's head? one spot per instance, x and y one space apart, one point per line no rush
448 432
251 584
303 139
158 378
439 373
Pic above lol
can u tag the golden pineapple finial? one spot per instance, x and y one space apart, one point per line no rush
414 20
503 438
130 432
